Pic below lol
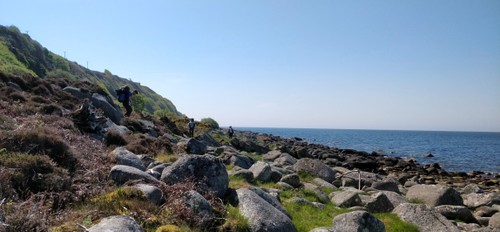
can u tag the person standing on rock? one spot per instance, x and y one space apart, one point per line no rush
230 132
191 126
125 97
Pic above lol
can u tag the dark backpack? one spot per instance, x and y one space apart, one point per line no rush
122 94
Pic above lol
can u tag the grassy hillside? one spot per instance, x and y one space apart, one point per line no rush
19 54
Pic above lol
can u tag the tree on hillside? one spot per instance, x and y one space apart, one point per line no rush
139 103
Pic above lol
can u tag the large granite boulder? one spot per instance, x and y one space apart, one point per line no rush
107 106
241 161
434 195
261 171
124 157
454 212
200 207
495 221
314 168
152 193
274 201
120 174
206 169
378 203
109 109
261 215
357 221
476 200
292 179
120 223
424 217
346 199
193 146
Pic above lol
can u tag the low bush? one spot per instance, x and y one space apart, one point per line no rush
114 137
39 141
25 174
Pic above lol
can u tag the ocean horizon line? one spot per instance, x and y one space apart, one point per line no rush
355 129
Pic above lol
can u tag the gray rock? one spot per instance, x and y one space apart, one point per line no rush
322 229
193 146
208 140
285 185
454 212
394 198
315 168
275 175
292 179
424 217
353 178
241 161
120 223
285 159
206 169
124 157
379 203
261 215
357 221
475 200
434 195
120 174
261 171
346 199
324 184
495 221
272 155
201 207
245 174
107 106
485 211
152 193
471 188
387 185
148 127
320 195
274 201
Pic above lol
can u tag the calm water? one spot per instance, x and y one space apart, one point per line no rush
454 151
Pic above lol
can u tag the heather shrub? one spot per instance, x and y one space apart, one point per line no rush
114 137
25 174
39 141
27 216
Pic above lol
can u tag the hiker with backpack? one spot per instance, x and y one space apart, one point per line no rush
125 97
191 126
230 132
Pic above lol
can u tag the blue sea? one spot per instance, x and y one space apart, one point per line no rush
454 151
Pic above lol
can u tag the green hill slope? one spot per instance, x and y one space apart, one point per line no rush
20 55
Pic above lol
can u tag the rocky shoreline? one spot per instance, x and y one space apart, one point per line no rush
365 183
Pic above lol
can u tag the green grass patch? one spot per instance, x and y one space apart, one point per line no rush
234 221
307 217
10 64
166 158
394 224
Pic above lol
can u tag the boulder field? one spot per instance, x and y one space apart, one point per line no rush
366 183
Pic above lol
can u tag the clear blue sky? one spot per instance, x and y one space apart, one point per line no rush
390 64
